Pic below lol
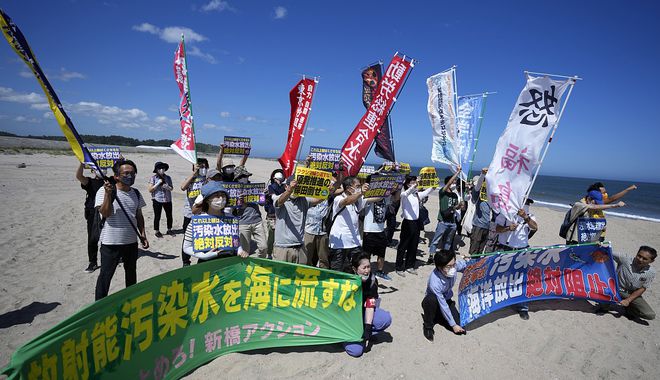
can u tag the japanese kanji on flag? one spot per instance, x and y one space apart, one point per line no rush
300 98
357 146
518 150
185 145
442 113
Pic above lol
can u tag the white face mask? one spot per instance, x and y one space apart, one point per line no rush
161 171
364 278
202 172
279 177
452 187
219 203
450 273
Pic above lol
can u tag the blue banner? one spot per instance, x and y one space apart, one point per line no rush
575 272
590 229
213 233
105 156
469 110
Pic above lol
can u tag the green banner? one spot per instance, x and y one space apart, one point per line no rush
168 325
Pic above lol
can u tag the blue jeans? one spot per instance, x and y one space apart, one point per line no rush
443 237
382 320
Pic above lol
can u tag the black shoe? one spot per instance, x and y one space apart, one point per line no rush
91 267
524 315
158 234
170 232
429 261
428 334
186 265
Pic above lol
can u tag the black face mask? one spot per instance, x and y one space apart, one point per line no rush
127 180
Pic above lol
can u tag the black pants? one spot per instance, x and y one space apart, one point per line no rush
185 258
341 258
158 207
92 241
409 240
390 219
110 255
433 315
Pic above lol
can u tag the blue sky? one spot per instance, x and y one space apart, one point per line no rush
111 64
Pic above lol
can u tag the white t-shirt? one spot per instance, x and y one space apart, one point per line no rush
410 202
374 215
519 237
117 229
345 232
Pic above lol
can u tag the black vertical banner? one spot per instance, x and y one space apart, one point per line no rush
370 78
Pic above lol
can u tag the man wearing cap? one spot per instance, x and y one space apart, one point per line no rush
591 206
160 187
91 185
192 186
481 218
251 224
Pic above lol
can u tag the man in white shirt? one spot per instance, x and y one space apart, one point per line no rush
345 240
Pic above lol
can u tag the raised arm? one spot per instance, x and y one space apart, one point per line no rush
185 184
221 153
620 194
80 177
452 180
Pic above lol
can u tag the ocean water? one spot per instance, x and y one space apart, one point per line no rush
561 192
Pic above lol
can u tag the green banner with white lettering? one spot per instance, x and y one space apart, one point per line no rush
168 325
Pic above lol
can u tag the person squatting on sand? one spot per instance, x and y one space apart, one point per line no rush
375 319
91 185
214 204
118 236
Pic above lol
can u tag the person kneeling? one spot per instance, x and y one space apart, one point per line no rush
439 293
375 319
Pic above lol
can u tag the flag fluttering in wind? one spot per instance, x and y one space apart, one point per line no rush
469 114
185 145
371 76
442 113
300 97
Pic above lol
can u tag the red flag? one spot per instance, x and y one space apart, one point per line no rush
185 145
301 101
356 147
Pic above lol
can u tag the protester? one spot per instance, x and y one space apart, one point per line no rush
437 302
227 170
91 185
160 187
250 222
446 227
409 239
118 236
513 236
635 275
214 204
390 217
275 187
375 237
345 239
591 206
481 218
192 186
375 319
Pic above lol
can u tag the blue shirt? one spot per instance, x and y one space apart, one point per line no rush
441 286
481 217
315 215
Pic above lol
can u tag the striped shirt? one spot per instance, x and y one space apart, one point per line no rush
631 279
162 192
117 229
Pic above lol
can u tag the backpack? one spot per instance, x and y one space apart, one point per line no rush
329 219
567 223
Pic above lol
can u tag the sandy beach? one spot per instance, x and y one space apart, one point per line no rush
43 242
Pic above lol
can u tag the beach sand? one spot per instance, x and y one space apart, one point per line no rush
43 240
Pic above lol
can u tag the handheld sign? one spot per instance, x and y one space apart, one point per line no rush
324 158
590 229
237 145
105 156
241 193
427 178
366 171
211 232
312 183
383 185
195 189
400 167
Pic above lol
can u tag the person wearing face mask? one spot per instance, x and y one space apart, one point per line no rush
409 239
160 187
118 236
192 186
605 199
275 188
437 304
250 222
374 318
446 227
214 204
91 185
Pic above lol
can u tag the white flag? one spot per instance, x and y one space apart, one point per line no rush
518 150
442 112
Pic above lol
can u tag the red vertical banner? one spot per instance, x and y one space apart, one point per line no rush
185 145
300 98
357 146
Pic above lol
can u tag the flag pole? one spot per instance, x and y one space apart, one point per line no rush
554 129
189 96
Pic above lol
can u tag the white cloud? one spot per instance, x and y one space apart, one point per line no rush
219 127
27 119
65 75
173 108
171 34
224 114
280 12
194 50
253 119
217 5
26 74
167 121
146 27
9 95
40 106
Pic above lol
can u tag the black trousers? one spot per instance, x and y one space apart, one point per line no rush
92 242
185 258
406 253
390 219
433 315
158 207
110 255
341 258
